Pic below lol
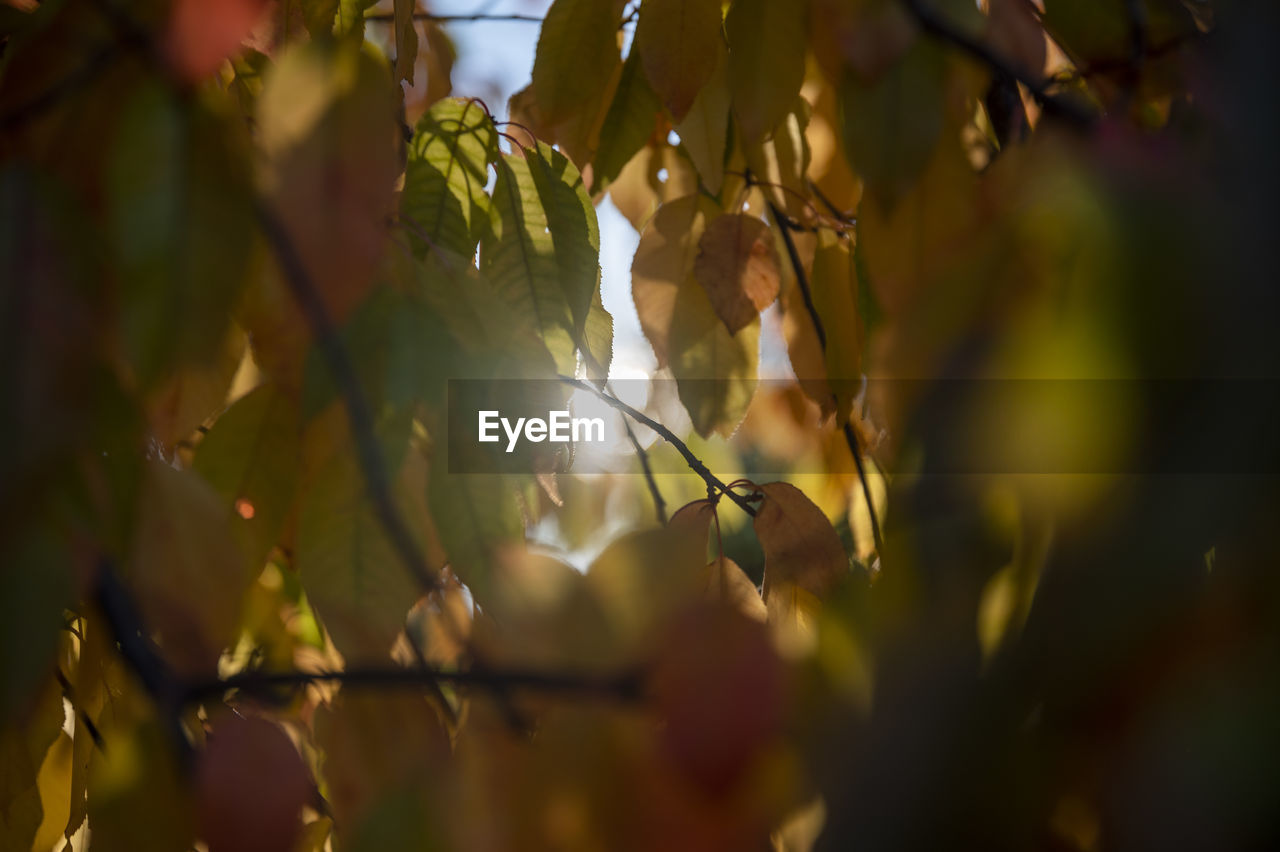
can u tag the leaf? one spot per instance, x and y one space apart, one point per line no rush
176 408
575 235
676 40
477 516
725 582
576 54
406 38
767 43
23 745
541 254
801 547
892 123
354 577
1014 30
202 34
831 375
738 268
658 173
704 132
715 370
185 569
327 127
180 222
250 457
628 125
643 578
781 162
444 202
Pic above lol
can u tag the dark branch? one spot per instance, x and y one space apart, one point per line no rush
695 464
659 505
64 88
802 280
624 687
931 22
385 17
348 382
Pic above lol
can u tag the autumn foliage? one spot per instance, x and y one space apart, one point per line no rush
871 570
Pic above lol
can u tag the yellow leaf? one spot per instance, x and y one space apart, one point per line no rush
406 40
715 371
704 132
576 55
738 267
767 42
729 584
676 40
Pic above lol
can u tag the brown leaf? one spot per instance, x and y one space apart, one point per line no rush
729 584
738 267
800 545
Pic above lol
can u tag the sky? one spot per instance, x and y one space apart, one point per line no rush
494 61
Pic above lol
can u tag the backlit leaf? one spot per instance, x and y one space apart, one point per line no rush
444 204
250 457
704 131
801 547
715 370
738 268
576 54
629 123
676 40
767 42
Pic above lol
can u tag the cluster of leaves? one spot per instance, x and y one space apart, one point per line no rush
244 603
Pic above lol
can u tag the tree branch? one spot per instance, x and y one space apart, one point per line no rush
659 505
802 280
624 687
1066 108
358 414
695 464
386 17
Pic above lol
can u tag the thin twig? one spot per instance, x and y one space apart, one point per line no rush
344 375
64 88
1063 107
659 505
714 484
385 17
625 687
802 280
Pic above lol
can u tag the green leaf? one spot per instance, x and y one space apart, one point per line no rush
677 40
891 124
576 54
250 457
834 288
327 125
353 575
629 124
406 34
444 203
476 516
704 132
575 234
715 370
180 221
767 44
542 252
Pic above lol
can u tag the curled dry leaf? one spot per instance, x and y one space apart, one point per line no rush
738 267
